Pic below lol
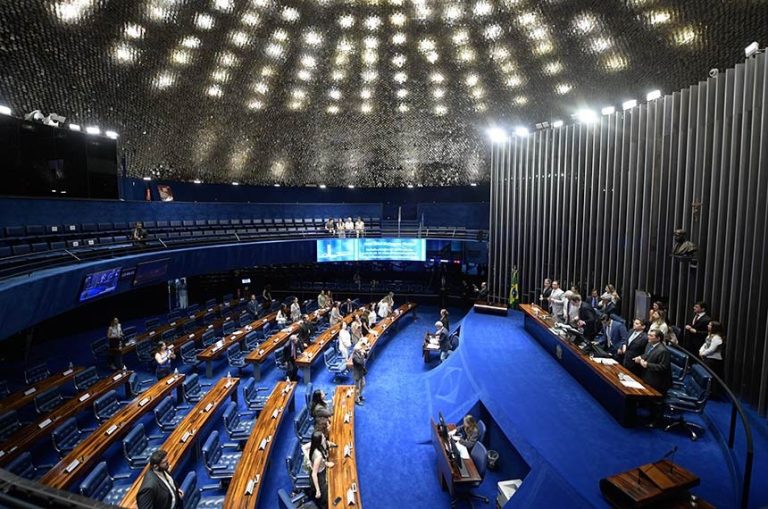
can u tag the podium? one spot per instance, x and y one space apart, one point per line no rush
662 484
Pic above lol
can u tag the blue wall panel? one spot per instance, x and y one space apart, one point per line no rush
470 215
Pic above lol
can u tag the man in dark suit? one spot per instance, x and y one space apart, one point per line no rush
614 334
293 352
635 346
158 489
587 317
696 330
656 371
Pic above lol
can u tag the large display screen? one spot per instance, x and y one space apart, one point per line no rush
351 250
99 283
149 272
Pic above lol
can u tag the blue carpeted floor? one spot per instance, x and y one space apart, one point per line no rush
543 423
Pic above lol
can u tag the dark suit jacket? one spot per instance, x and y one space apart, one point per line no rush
618 335
442 338
153 493
545 303
634 349
658 374
696 339
588 315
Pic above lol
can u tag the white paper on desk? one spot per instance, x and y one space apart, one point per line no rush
262 444
346 417
604 360
630 382
68 372
44 423
275 413
29 391
208 407
350 497
72 466
111 429
463 452
84 397
117 377
144 401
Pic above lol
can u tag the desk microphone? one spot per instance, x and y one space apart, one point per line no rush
670 454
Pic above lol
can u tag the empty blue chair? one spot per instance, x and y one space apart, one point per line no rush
86 378
167 416
228 327
235 356
189 354
300 479
252 341
37 373
138 386
67 436
151 323
479 455
334 363
137 447
100 349
23 467
145 352
193 391
9 424
294 501
208 337
253 400
106 406
193 498
280 361
168 336
692 397
680 364
237 424
48 400
99 485
303 425
219 464
244 319
209 317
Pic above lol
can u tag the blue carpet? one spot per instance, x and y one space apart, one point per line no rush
545 426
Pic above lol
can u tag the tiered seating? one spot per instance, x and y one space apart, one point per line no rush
28 394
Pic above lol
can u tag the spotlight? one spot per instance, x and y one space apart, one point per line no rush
497 135
608 110
54 119
4 110
351 186
146 178
473 184
74 127
93 130
557 124
34 116
197 181
653 95
111 135
410 186
322 186
628 105
751 49
586 116
522 132
235 183
63 192
277 185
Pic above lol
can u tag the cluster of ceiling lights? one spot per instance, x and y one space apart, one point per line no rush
55 120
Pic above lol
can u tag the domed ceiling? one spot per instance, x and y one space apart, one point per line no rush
338 92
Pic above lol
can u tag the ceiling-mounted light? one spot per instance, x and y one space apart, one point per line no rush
653 95
197 181
146 178
751 49
277 185
93 130
322 186
608 110
410 186
74 127
351 186
521 132
497 135
111 134
235 183
557 124
5 110
586 116
473 184
628 105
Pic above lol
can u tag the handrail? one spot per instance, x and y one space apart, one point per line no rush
732 428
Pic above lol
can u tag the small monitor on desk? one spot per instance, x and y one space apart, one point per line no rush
441 427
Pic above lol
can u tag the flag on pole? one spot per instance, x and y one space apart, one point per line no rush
513 288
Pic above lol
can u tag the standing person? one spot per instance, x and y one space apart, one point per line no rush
356 330
656 371
293 352
158 489
659 323
544 295
139 235
383 306
696 331
635 346
656 306
319 410
321 304
347 307
335 316
372 318
282 316
614 334
345 341
115 340
359 228
340 228
266 296
254 306
441 333
359 357
609 300
594 299
711 352
163 358
295 310
318 457
330 227
444 318
557 301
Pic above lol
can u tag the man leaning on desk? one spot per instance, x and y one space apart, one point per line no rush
656 371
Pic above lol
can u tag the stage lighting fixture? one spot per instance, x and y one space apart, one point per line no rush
146 178
608 110
751 49
586 116
235 183
410 186
628 105
322 186
74 127
93 130
473 184
557 124
277 185
653 95
497 135
35 116
4 110
521 132
197 181
351 186
111 135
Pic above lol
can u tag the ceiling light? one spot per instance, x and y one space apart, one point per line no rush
751 49
223 5
369 76
440 110
313 38
332 109
351 186
402 93
250 19
5 110
653 95
308 61
398 60
372 22
304 75
628 105
563 88
322 186
93 130
482 8
492 32
133 31
366 108
520 100
346 21
426 45
280 35
215 91
473 184
608 110
146 178
197 181
335 94
290 14
586 116
557 124
460 37
410 186
74 127
398 19
401 77
436 77
235 183
190 42
402 108
585 23
477 92
438 93
432 57
111 135
398 39
365 93
277 185
497 135
204 21
521 132
255 105
180 57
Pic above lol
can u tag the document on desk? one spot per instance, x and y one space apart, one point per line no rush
463 452
605 360
628 381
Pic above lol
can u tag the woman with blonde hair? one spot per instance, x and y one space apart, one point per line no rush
468 432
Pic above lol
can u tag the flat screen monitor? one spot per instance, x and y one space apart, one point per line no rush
150 272
368 249
99 283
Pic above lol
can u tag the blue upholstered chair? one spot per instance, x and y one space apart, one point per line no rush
48 400
219 464
189 354
99 485
9 424
335 363
237 424
300 479
479 455
86 378
67 436
167 416
23 467
193 498
253 400
300 501
236 357
193 391
144 352
106 406
680 365
303 425
252 340
137 446
36 373
138 386
691 397
100 349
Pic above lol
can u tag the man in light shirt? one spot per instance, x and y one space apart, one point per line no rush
557 301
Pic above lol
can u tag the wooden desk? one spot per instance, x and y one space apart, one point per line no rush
217 349
23 439
343 475
427 349
447 474
186 433
313 351
253 463
661 484
25 396
90 451
385 323
275 341
601 380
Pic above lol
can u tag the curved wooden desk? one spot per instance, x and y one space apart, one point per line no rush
342 477
313 351
219 348
25 396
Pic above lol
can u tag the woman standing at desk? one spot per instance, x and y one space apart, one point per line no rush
318 457
115 341
163 358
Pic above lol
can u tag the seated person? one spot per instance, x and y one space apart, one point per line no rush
163 358
359 228
305 329
139 235
467 433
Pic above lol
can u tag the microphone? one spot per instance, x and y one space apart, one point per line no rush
669 453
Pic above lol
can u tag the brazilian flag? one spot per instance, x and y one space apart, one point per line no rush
514 291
